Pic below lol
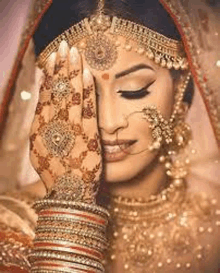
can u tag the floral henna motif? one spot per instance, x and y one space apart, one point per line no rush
73 74
63 114
59 66
76 99
92 145
76 162
87 91
88 111
89 176
48 82
43 163
40 107
77 129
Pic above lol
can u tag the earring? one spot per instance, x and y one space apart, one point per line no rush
175 159
161 129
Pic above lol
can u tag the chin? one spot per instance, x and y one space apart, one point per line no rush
126 170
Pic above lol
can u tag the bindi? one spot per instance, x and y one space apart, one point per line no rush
105 76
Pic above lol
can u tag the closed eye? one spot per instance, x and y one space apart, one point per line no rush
137 94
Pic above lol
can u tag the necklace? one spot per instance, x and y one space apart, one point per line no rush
157 234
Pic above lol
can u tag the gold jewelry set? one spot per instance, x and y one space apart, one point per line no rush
73 234
100 50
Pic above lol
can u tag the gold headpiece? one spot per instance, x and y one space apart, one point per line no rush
101 52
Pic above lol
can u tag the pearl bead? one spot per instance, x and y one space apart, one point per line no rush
117 43
218 63
217 223
162 158
159 264
126 266
199 256
210 230
178 265
169 261
167 165
113 257
201 229
128 47
188 265
140 51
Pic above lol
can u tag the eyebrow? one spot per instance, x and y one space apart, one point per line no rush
133 69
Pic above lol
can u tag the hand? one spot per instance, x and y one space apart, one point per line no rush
64 140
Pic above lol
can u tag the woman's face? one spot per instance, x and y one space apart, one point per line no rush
132 83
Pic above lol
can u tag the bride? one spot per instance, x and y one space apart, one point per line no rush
121 140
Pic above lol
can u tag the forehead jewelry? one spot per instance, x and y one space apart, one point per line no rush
89 36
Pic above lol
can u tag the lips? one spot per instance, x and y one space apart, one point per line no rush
117 150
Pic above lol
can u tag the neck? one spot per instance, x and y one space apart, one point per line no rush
149 182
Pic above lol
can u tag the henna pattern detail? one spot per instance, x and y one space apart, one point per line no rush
76 99
68 187
87 91
88 111
61 87
58 138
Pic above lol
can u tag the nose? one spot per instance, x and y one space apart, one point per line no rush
110 116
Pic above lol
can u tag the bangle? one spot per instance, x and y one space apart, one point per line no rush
73 213
62 266
67 257
69 248
44 203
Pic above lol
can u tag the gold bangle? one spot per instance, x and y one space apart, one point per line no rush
71 221
71 233
69 248
79 241
73 213
42 204
63 266
34 257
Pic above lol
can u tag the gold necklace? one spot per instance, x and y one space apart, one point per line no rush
153 235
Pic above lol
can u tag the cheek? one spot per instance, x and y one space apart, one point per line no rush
164 95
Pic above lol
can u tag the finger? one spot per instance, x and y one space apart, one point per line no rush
43 105
75 74
61 84
89 103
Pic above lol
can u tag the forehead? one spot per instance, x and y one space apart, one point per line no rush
125 59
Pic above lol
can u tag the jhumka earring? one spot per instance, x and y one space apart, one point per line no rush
171 136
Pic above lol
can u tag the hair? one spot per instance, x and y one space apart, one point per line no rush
63 14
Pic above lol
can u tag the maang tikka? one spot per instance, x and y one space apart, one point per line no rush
101 50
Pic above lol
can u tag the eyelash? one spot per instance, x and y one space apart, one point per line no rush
138 94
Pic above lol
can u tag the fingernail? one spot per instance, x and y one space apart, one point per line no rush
87 75
63 49
51 60
74 55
